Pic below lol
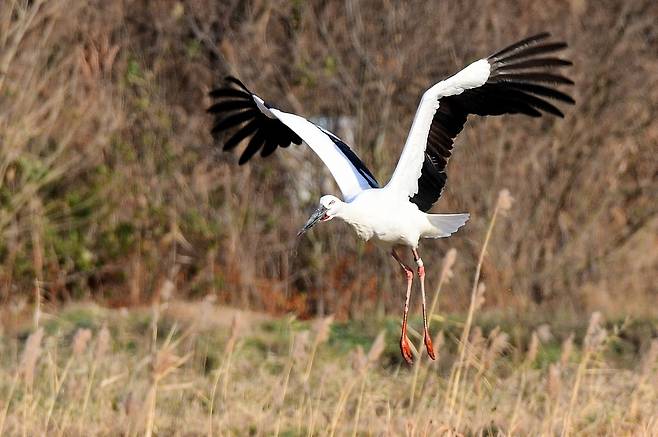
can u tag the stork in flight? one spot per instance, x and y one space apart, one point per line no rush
518 79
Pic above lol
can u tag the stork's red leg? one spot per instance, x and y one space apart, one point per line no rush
405 348
426 332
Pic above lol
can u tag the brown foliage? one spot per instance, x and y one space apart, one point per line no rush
107 164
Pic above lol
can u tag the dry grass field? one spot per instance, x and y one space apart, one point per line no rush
151 286
192 369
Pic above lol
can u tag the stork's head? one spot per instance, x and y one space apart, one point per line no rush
328 208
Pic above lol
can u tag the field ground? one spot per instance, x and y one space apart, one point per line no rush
199 369
114 190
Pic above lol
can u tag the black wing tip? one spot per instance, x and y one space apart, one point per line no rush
238 82
534 44
520 43
541 35
542 77
572 101
531 64
528 63
555 113
228 87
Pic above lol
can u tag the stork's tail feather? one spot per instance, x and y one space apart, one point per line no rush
443 225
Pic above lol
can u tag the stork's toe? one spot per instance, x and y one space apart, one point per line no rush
405 348
429 347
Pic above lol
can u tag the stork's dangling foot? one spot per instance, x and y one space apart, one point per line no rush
405 348
426 332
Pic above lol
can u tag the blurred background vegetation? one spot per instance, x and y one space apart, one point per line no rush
112 189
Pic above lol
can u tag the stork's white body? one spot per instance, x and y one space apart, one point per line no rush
386 217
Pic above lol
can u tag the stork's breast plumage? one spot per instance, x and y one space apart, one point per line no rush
378 216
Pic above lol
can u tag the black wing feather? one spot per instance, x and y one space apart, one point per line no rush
269 147
227 92
542 90
510 89
234 119
229 105
530 78
530 51
241 134
537 62
521 44
236 107
254 146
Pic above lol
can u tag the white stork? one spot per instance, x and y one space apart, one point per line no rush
515 80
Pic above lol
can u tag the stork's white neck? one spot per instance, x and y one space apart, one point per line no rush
343 211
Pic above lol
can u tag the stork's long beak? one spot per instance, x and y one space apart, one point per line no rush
317 215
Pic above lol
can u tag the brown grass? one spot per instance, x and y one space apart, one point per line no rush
260 383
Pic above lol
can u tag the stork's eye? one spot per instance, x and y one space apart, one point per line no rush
332 202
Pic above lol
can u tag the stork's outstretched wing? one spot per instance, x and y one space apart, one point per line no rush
268 128
515 80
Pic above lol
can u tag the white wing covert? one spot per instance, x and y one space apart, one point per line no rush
269 128
515 80
406 174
